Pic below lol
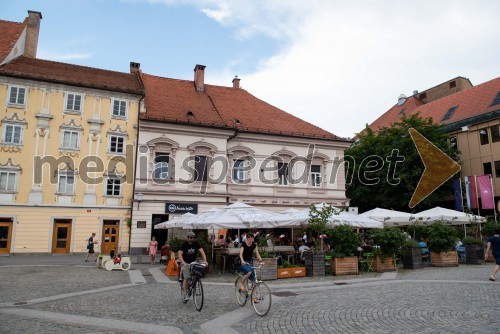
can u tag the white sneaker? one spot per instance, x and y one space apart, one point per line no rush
186 298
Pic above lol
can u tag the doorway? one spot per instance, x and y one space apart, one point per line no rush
6 225
110 235
161 235
61 238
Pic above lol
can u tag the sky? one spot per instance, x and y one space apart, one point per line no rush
336 64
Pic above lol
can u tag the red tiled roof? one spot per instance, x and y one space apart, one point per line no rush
471 102
170 100
69 74
10 32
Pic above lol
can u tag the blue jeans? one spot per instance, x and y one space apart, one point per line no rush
247 268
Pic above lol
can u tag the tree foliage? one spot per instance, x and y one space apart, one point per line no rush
384 182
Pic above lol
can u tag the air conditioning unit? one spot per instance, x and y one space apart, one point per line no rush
353 210
465 128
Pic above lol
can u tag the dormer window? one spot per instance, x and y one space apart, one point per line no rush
496 100
449 113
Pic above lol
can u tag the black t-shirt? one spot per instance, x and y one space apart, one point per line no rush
248 251
495 244
190 251
91 243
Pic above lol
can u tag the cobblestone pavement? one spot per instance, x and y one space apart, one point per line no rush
66 299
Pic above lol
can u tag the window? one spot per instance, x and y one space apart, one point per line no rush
282 174
200 168
119 108
495 134
116 144
402 111
73 102
453 141
12 134
422 96
483 136
316 175
496 100
70 140
497 168
239 171
453 84
161 166
113 186
17 95
449 113
8 181
66 184
487 168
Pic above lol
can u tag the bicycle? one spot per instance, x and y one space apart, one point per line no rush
259 292
194 286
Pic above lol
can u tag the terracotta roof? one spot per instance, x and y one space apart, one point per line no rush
178 101
10 32
471 102
69 74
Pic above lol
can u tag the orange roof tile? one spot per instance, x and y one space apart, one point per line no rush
69 74
10 32
170 100
470 102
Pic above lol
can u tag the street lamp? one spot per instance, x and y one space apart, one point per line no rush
139 197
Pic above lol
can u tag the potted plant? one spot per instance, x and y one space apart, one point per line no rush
442 241
285 270
315 260
411 255
474 250
389 241
344 242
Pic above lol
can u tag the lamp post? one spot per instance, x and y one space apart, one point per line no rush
139 197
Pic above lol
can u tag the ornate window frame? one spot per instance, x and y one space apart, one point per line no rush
14 121
239 153
165 146
10 167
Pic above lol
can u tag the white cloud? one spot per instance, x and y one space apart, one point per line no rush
60 56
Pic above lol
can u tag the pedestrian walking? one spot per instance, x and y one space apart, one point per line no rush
494 244
152 249
90 246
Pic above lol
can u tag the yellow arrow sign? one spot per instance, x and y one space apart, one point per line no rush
439 168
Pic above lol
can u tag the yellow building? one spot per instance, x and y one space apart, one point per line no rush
66 154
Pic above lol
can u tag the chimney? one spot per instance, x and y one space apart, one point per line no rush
199 78
134 67
236 82
32 31
415 92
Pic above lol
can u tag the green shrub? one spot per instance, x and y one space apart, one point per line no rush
286 264
389 239
175 244
441 237
344 241
410 243
489 228
472 241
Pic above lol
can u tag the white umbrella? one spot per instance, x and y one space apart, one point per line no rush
354 220
447 216
389 217
176 222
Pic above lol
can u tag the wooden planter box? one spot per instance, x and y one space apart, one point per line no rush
474 254
315 264
412 258
383 265
444 259
269 270
490 256
285 272
345 265
298 271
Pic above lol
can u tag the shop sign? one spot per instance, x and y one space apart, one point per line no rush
171 207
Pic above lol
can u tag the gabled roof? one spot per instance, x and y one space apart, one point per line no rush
9 34
69 74
172 100
470 103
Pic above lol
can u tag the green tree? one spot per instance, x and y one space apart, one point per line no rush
384 182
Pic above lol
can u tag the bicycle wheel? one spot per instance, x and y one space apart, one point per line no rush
261 298
241 297
198 294
182 294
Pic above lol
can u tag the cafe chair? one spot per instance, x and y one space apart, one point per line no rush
367 262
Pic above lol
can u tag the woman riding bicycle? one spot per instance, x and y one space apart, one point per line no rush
247 249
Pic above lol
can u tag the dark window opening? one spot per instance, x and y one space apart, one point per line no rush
283 173
453 84
497 168
453 142
487 168
495 134
200 168
422 96
449 113
483 136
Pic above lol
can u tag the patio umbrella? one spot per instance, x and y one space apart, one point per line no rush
176 222
447 216
389 217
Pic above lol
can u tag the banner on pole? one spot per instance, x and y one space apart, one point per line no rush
484 185
470 192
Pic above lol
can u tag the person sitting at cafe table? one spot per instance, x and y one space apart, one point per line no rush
221 242
303 248
422 243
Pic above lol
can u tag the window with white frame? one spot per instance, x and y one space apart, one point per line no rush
12 134
119 108
316 175
283 173
161 165
70 140
17 95
74 102
239 171
66 184
113 186
8 181
116 144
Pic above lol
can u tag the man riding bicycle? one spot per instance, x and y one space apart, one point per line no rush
246 251
187 254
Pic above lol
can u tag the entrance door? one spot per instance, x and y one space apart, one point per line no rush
161 235
110 236
5 235
61 239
